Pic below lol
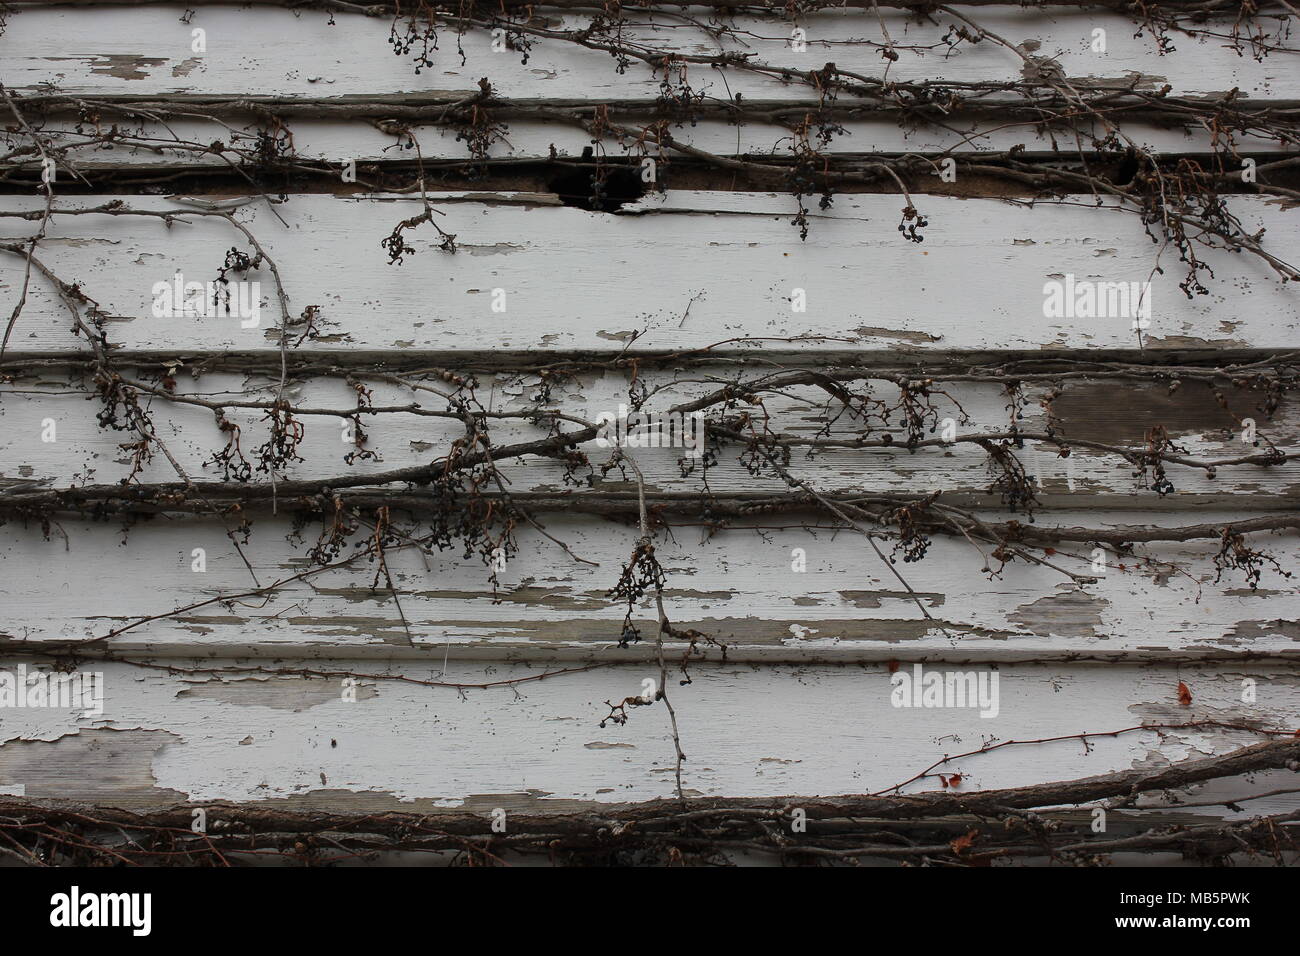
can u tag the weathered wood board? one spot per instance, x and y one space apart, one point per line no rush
376 625
401 435
1165 603
750 730
975 285
182 144
148 50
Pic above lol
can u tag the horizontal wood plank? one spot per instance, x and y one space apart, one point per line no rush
1096 420
183 144
627 281
739 587
148 50
294 742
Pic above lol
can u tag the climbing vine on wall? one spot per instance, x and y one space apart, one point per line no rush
461 501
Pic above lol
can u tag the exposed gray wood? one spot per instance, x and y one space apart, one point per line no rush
748 731
148 50
1162 603
1083 411
976 282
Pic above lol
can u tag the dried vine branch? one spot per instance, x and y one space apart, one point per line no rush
943 828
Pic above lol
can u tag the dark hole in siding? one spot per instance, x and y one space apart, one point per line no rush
597 188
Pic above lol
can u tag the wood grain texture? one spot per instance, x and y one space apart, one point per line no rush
228 683
1164 602
749 731
576 280
1085 412
147 146
147 51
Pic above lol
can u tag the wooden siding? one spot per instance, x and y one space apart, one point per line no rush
227 685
